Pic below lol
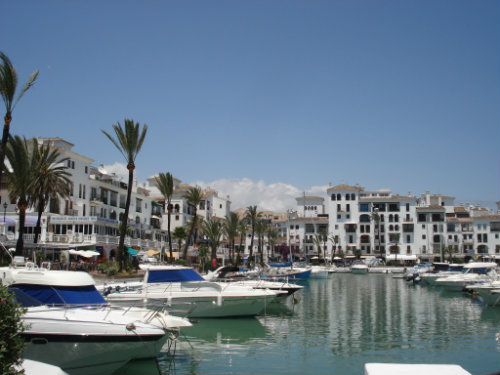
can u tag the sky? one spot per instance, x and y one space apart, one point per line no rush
267 100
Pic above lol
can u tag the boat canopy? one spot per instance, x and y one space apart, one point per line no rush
172 275
289 264
62 295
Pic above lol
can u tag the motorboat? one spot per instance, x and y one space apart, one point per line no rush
413 369
414 274
488 292
186 293
359 267
70 325
285 272
234 275
319 271
441 270
474 272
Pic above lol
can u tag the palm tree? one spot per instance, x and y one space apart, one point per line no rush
51 179
231 231
376 219
272 235
213 229
260 230
20 177
128 141
179 234
251 216
193 196
242 230
8 87
165 183
334 239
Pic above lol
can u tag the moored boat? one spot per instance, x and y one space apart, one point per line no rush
475 272
186 293
66 314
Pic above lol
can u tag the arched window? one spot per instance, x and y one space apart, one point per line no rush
347 197
333 197
391 218
396 218
353 197
339 197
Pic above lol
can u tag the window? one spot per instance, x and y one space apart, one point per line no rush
364 207
338 197
86 169
407 207
348 207
347 197
339 208
333 197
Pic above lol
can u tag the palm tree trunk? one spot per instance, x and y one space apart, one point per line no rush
38 227
123 230
5 138
20 238
250 255
169 210
191 231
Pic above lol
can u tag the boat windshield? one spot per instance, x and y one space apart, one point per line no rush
62 295
173 275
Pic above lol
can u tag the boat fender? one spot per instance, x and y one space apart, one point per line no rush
219 300
130 326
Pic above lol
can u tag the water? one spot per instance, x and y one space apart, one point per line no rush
338 325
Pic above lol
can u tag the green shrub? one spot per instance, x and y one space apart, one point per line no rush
109 268
11 342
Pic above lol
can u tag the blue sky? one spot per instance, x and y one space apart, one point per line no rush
392 94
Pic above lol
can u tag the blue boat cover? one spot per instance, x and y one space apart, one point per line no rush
173 275
63 295
289 264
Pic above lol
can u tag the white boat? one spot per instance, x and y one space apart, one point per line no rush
70 325
429 278
475 272
36 368
186 293
413 369
319 272
234 275
359 268
488 292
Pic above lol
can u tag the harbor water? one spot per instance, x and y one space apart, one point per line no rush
336 325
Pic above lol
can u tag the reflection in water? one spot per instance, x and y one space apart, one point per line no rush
341 323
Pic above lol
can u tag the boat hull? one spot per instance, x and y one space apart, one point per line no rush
200 307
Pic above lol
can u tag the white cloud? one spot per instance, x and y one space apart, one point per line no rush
119 169
245 192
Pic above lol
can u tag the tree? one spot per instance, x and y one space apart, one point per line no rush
231 231
165 183
321 238
376 218
251 217
51 179
334 239
11 342
242 230
260 230
213 229
21 179
193 196
8 87
272 235
179 234
129 141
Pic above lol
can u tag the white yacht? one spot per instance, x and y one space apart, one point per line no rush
488 292
185 292
475 272
359 267
233 275
429 278
69 324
